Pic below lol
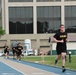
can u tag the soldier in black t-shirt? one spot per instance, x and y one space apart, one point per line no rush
61 46
61 38
14 45
6 51
19 49
14 52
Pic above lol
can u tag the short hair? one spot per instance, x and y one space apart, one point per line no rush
61 25
18 43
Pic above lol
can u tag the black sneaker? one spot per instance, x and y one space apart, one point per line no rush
55 62
63 70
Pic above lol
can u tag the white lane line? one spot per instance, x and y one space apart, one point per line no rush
14 68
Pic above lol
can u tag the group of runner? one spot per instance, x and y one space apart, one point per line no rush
17 51
60 38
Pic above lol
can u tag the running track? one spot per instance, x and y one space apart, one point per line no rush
8 67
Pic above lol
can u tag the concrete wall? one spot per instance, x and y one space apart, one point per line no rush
38 41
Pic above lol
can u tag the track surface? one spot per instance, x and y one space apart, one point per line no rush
14 67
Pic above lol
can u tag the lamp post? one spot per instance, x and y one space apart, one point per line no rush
50 45
69 56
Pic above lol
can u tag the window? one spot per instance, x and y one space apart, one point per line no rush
20 20
48 19
47 0
20 0
70 19
69 0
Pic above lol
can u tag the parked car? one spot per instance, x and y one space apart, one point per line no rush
28 52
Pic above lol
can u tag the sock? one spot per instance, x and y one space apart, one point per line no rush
56 61
63 67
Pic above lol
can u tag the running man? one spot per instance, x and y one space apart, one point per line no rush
6 51
61 38
14 45
14 52
19 49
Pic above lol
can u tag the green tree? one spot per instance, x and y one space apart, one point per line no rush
2 32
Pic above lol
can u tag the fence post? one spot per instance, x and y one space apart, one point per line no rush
69 57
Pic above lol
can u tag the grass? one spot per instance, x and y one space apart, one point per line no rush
49 60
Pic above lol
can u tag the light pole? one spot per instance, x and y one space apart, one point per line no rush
50 45
69 56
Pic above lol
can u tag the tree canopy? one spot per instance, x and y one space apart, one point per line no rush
2 32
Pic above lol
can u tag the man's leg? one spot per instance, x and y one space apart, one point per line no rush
57 58
19 58
15 56
6 55
63 61
65 58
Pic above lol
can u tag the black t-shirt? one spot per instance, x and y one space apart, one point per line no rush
5 47
61 36
19 48
13 48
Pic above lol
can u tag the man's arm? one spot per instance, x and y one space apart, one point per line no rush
67 39
55 40
16 50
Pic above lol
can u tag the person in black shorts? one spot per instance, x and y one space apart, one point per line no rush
6 51
14 45
61 38
19 49
14 52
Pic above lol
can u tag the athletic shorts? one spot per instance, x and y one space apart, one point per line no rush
5 51
59 50
14 52
19 53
